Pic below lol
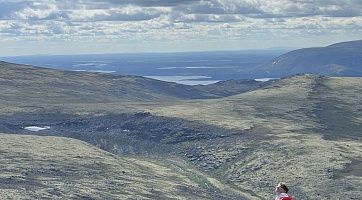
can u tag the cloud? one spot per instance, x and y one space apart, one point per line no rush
139 10
8 8
301 8
176 20
151 3
126 13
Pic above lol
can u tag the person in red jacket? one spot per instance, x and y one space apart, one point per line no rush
281 191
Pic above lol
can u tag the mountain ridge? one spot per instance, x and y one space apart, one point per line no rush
109 86
340 59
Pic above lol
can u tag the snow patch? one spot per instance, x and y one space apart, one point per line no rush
36 128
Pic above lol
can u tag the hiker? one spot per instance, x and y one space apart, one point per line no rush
281 191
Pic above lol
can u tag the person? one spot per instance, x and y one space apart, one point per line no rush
281 191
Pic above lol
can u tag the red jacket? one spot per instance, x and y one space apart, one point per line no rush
287 198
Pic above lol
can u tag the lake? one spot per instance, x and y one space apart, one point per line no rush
185 68
186 80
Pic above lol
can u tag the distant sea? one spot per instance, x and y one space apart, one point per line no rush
186 68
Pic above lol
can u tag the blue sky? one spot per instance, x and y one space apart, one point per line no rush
111 26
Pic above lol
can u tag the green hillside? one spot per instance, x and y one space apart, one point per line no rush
304 130
34 167
55 86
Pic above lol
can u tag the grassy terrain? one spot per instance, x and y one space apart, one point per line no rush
304 130
293 118
54 86
34 167
32 89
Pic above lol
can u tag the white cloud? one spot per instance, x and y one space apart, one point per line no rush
180 20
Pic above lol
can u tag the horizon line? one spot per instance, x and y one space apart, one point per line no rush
160 52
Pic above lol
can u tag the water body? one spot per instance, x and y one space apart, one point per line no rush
186 80
210 67
98 71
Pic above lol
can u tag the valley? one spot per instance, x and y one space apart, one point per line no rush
180 100
229 140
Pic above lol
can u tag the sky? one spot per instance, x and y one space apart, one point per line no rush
117 26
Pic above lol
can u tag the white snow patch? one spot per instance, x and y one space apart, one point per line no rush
36 128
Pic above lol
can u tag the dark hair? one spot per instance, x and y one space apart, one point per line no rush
285 188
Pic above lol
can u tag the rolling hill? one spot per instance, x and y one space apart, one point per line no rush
341 59
34 167
304 130
69 86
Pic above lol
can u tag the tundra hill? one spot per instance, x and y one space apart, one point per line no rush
306 131
34 167
55 86
341 59
310 125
